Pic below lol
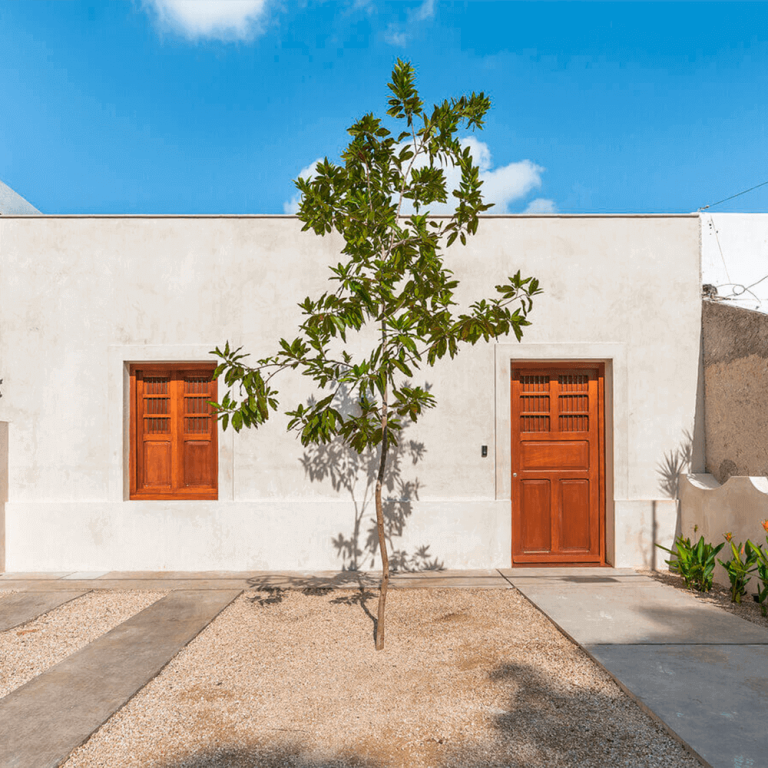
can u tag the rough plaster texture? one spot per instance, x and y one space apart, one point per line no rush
710 509
89 295
735 353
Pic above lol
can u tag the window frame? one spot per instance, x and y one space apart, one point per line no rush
171 369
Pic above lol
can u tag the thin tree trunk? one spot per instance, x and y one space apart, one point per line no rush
382 533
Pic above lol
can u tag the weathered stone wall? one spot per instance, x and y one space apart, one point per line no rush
735 349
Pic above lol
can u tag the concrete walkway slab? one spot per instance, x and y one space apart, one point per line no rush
715 697
571 574
469 579
153 585
21 607
33 575
84 575
216 580
639 613
44 720
700 671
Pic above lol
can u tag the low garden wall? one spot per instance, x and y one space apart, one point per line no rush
711 509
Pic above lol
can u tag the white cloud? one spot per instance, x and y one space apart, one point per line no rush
292 205
396 35
501 186
541 205
221 19
425 11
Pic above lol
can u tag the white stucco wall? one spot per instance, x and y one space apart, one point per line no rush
80 297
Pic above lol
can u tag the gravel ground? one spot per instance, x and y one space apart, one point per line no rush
719 596
469 678
30 649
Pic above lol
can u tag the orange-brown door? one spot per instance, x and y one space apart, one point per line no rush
557 464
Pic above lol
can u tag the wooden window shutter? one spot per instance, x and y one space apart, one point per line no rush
174 446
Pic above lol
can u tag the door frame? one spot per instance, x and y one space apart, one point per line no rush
601 410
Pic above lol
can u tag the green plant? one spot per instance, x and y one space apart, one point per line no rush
694 562
392 291
739 570
761 560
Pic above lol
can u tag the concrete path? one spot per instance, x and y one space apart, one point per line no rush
44 720
699 670
248 580
21 607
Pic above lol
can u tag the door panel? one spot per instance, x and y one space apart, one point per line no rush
536 496
557 463
574 515
554 456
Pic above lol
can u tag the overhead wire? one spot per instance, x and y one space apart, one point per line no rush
738 194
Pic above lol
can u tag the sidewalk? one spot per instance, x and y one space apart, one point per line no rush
701 672
159 580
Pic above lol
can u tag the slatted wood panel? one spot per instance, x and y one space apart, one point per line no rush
557 464
174 449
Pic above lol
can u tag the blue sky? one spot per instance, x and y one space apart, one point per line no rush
214 106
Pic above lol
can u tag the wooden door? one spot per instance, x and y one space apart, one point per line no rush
558 486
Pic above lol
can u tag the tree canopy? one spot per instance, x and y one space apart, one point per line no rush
392 278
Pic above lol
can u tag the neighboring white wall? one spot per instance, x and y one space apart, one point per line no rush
83 296
734 256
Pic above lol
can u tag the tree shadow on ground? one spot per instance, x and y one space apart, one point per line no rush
548 721
268 595
541 721
354 474
266 757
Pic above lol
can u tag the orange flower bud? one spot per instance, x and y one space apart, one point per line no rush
765 525
728 536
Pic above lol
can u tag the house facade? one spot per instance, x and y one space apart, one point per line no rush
559 449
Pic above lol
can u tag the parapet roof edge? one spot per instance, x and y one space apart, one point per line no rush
694 214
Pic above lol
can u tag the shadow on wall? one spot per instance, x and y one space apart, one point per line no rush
355 474
677 460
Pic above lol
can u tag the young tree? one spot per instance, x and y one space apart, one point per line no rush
393 278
